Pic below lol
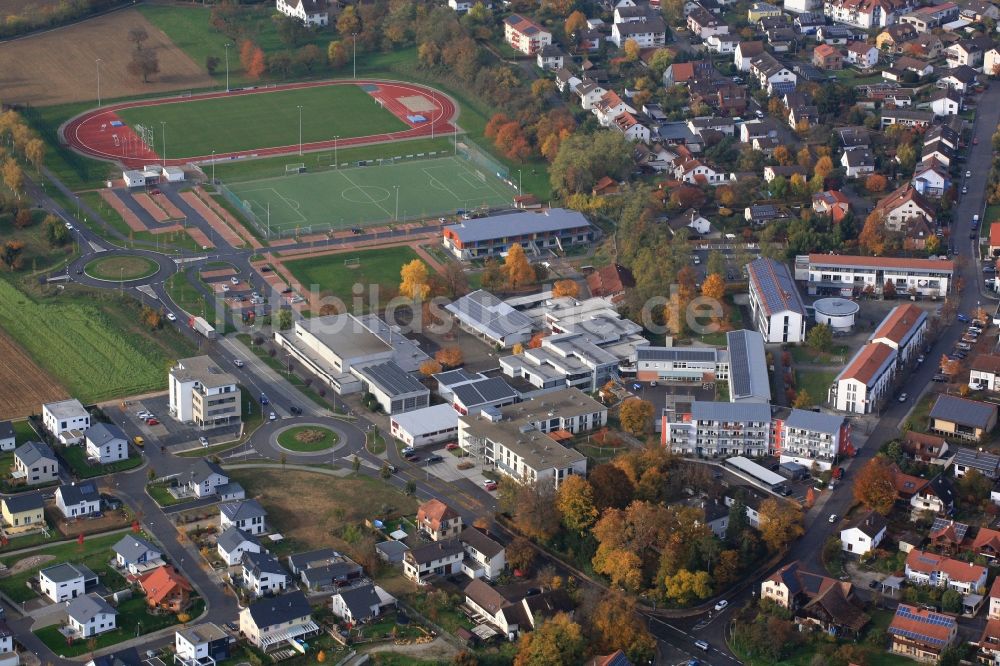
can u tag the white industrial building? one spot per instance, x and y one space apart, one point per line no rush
523 440
354 354
423 427
778 311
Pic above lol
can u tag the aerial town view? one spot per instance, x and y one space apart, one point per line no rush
524 332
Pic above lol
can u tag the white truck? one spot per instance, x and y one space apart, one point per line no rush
199 324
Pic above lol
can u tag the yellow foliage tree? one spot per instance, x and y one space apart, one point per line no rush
780 523
565 288
430 367
631 50
636 415
516 267
517 349
714 287
575 501
449 357
414 280
686 586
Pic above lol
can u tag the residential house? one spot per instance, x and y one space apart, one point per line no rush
863 534
35 463
609 107
773 76
439 520
925 19
994 608
857 163
925 568
204 394
834 35
895 37
966 459
961 79
78 500
272 623
356 605
631 127
946 102
987 543
65 581
325 568
696 172
833 203
923 447
566 79
991 62
166 589
7 437
90 615
762 10
815 599
136 555
865 14
937 150
648 34
901 205
745 52
847 276
204 644
931 178
916 233
524 35
248 516
984 373
968 52
206 478
518 614
485 557
866 380
989 643
312 13
828 57
706 24
23 512
953 416
946 536
862 55
904 329
551 58
724 44
786 172
65 416
685 72
233 543
921 634
610 281
438 558
806 22
810 438
262 574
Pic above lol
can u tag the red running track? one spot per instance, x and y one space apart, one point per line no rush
92 134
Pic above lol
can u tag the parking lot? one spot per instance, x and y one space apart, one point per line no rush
447 468
168 432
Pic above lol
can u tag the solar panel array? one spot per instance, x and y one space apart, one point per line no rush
392 379
675 354
492 313
739 365
927 618
775 286
943 524
492 389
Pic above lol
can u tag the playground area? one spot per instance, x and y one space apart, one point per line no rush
383 191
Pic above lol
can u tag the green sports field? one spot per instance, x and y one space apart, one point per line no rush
263 120
335 275
344 198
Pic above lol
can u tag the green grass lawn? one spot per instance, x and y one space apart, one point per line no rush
162 496
93 343
95 552
816 383
343 198
121 268
133 619
76 458
307 439
23 432
263 120
332 277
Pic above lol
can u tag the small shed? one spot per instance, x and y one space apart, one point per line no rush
792 470
134 178
391 551
173 174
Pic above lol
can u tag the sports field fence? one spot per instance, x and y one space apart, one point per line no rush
472 153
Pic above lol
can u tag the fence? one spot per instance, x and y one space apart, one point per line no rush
472 153
244 208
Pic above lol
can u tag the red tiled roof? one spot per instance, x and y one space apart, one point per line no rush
882 262
610 280
435 511
986 363
162 583
995 590
899 323
925 562
867 362
986 538
920 622
907 485
995 234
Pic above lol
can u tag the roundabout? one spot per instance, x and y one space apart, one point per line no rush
308 439
121 268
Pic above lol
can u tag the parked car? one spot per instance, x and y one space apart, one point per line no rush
295 410
272 417
833 518
171 316
434 459
203 441
962 318
721 605
451 446
939 378
903 397
964 346
490 485
412 457
152 422
234 280
265 269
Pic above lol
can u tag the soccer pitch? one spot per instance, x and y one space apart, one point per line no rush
264 119
344 198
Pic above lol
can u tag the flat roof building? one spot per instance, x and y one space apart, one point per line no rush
847 276
553 228
748 377
518 440
203 393
422 427
487 317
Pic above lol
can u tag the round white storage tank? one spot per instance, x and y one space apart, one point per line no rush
837 313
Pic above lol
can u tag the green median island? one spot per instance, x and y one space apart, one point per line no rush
308 438
121 267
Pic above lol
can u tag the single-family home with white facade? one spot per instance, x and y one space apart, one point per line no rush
263 574
90 615
248 516
863 534
106 443
65 581
233 543
77 500
272 623
312 13
925 568
204 644
65 415
35 463
136 554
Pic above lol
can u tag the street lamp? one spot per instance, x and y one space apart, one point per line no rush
300 130
336 162
354 36
397 202
213 167
227 66
98 62
163 133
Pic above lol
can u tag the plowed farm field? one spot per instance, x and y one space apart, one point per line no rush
60 66
24 387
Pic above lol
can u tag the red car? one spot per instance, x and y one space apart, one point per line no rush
490 485
152 422
452 446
